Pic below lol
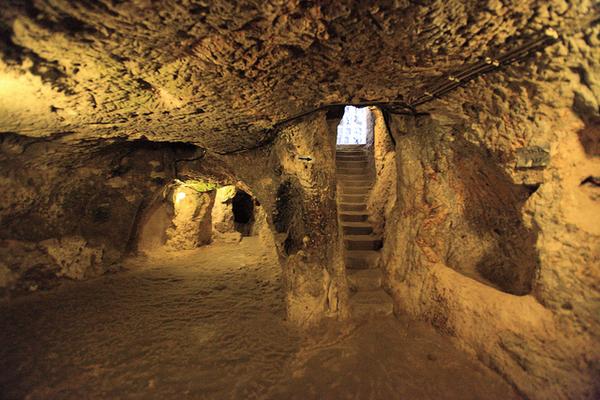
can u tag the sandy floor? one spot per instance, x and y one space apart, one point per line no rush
209 324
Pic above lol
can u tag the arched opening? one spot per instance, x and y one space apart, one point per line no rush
179 218
356 126
243 212
193 213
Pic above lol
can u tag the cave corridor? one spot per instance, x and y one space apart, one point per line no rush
300 199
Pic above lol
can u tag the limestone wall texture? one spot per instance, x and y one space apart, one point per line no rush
494 237
383 195
305 219
293 180
192 222
70 211
218 73
491 231
75 211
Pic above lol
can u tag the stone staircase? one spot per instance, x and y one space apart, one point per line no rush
361 244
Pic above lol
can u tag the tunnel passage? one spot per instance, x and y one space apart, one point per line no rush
178 218
80 82
243 212
193 213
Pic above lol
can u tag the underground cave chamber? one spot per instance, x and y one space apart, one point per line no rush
300 200
193 213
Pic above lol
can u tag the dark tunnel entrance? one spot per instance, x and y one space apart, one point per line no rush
243 212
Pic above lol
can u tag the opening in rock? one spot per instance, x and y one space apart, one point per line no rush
492 244
243 212
179 218
287 222
355 127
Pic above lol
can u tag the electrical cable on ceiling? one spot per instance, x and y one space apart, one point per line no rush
440 86
447 82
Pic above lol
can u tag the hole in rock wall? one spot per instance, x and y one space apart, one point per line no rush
355 127
178 218
590 187
285 219
186 215
236 214
283 213
243 212
589 134
493 244
591 181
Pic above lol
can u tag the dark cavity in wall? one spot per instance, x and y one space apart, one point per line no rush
282 215
589 135
493 207
287 209
243 212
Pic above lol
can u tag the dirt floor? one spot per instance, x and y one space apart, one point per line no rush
210 324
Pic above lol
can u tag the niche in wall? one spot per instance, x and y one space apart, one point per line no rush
488 239
243 212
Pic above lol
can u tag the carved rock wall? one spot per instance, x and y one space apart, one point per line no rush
306 220
72 211
494 235
217 74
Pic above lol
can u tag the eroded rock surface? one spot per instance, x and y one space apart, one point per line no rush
219 74
487 198
72 210
476 217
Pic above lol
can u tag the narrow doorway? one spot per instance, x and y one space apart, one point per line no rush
355 127
243 212
356 177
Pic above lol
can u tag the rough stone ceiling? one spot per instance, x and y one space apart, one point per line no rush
219 73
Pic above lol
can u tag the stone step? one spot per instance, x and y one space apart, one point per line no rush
350 146
353 180
361 259
364 279
353 216
355 190
352 206
351 157
351 163
365 304
345 178
362 242
356 183
357 228
349 152
353 198
352 171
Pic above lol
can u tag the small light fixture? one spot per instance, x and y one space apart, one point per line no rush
179 196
